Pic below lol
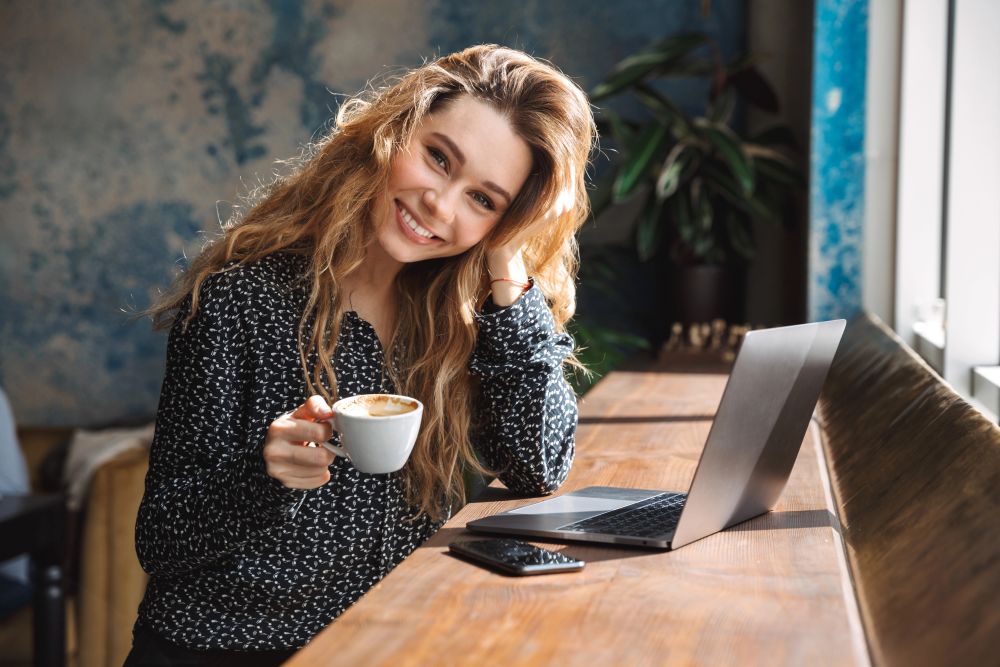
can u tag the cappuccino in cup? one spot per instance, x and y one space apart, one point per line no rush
377 405
377 431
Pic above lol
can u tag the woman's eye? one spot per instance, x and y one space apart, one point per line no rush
438 157
483 200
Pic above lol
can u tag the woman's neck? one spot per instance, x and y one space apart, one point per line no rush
376 277
370 291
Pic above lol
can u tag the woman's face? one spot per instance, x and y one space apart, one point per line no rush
452 183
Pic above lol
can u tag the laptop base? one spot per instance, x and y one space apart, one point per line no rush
549 519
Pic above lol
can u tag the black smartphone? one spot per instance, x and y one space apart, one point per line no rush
515 557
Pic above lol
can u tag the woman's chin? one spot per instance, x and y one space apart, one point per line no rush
405 252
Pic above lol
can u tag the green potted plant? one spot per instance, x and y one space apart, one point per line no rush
704 183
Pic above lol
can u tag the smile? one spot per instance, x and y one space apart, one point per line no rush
410 224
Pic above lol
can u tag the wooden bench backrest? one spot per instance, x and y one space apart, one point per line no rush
916 477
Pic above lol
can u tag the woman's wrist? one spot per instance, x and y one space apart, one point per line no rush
508 278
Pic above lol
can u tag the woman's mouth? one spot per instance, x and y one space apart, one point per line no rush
413 230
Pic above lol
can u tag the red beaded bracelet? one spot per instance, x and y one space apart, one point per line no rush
517 283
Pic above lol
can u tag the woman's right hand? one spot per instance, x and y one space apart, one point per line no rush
286 454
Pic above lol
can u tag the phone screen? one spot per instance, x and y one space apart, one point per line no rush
515 556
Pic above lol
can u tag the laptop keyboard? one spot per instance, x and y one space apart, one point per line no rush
654 516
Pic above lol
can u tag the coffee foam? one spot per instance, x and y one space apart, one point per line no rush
377 406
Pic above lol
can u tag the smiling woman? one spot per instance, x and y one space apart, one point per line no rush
451 184
425 247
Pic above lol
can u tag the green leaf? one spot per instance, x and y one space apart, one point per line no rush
672 171
620 131
680 214
619 81
718 177
755 88
704 242
690 68
657 57
731 150
669 179
694 224
721 108
775 166
779 171
678 44
645 148
763 209
757 151
720 180
743 61
665 110
649 233
705 217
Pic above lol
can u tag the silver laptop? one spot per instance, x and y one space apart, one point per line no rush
754 440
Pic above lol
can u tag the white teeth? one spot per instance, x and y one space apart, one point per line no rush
412 224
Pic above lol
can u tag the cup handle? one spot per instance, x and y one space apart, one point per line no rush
329 446
339 451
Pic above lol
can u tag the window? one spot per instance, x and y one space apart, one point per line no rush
948 209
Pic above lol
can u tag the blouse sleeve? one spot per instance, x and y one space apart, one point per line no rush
527 425
207 490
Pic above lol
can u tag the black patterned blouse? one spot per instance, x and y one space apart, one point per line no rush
237 560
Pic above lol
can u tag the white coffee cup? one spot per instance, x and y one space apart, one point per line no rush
377 431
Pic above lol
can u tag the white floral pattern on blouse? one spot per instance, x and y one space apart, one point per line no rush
237 560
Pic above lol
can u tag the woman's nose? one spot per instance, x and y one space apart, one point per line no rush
440 203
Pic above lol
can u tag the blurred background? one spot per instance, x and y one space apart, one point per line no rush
128 130
762 162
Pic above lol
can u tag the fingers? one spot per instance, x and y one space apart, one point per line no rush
314 408
296 466
285 456
298 456
299 431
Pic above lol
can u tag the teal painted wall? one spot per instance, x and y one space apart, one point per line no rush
837 161
128 127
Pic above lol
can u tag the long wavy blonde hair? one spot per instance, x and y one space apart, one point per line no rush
322 210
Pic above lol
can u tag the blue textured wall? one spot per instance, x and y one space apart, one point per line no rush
124 125
837 162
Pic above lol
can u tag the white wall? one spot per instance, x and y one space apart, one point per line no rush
972 243
881 152
921 160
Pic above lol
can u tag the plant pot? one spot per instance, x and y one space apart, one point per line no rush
702 293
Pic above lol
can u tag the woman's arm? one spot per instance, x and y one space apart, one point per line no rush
528 410
207 491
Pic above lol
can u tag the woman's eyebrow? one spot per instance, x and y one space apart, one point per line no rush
460 156
497 189
452 146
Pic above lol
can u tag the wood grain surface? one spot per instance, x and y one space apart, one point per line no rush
772 590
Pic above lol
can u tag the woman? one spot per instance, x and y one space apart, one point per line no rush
427 248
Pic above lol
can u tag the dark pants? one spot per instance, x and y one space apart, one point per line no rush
151 650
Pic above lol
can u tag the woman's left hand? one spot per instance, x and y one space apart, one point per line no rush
507 261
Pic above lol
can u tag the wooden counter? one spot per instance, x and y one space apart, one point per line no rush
774 590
